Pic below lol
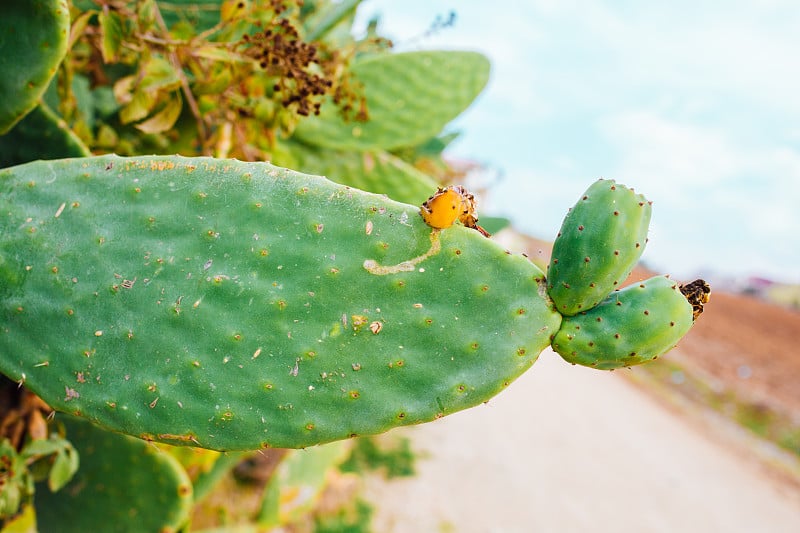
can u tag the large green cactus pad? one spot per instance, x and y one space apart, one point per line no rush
227 304
123 484
33 41
410 97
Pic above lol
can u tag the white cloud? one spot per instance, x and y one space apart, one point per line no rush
733 46
739 202
693 103
669 155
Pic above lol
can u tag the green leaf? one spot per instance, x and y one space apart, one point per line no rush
410 96
139 106
79 25
104 102
328 17
201 15
42 447
435 146
294 488
111 31
218 53
158 74
140 94
33 41
64 468
64 465
147 10
16 483
165 118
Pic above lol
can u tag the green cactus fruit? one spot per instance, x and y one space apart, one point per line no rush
410 98
235 305
378 172
33 41
632 326
123 484
601 239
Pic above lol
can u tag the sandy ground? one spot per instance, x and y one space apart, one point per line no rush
573 449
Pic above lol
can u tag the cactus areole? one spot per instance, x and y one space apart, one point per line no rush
233 305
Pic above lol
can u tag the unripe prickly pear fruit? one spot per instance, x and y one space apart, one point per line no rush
601 239
632 326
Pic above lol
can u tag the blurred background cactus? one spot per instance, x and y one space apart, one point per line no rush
99 272
279 81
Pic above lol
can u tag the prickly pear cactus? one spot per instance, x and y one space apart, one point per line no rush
123 484
33 41
410 97
631 326
599 243
236 305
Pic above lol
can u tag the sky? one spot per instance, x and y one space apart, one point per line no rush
694 104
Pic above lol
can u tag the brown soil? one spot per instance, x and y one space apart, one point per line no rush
747 346
738 331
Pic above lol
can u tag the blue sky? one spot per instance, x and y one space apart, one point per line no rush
695 104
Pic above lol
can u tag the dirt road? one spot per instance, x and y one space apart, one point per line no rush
572 449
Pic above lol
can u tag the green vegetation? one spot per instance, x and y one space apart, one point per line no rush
393 460
211 300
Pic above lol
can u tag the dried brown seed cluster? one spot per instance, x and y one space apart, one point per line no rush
698 293
282 53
